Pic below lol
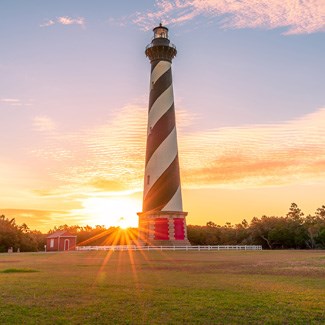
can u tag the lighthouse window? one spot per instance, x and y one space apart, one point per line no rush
161 33
148 179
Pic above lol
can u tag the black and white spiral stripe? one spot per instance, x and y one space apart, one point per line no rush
162 191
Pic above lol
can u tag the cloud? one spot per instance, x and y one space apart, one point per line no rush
71 21
43 124
11 101
64 20
256 155
16 102
110 156
298 17
47 23
107 185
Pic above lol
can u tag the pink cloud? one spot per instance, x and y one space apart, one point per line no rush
64 20
298 17
71 21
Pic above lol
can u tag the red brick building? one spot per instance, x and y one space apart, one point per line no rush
61 241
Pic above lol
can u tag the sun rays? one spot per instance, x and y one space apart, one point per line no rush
117 211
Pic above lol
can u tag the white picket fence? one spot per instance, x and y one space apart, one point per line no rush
171 248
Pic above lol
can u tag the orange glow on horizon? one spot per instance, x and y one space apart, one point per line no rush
118 211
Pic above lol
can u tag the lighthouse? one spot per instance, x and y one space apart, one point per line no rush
162 220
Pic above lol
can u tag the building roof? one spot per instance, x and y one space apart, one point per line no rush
60 233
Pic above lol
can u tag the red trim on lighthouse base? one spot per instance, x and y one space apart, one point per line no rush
163 228
179 229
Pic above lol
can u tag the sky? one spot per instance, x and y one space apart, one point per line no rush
249 93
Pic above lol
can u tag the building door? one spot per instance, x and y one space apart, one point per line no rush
66 244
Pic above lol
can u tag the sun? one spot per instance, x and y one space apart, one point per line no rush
124 223
116 211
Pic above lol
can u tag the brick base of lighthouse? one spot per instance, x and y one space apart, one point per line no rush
163 228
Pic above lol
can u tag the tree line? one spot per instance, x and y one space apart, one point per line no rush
292 231
19 237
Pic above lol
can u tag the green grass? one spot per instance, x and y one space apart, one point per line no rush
18 271
265 287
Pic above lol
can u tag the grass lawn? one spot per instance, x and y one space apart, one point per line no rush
228 287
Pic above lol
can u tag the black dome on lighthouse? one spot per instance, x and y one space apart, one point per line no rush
160 47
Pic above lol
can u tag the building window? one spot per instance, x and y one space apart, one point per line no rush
52 243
